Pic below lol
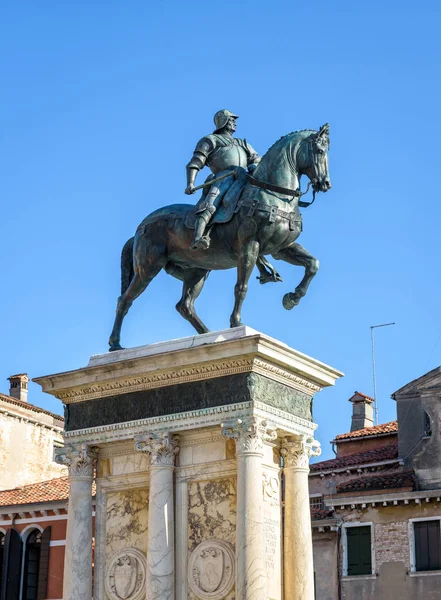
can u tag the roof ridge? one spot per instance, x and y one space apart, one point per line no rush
32 407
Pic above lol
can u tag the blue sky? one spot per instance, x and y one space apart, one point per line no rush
101 105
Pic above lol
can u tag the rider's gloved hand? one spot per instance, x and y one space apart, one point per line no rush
189 189
252 168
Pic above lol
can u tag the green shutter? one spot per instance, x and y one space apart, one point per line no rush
427 545
359 550
11 566
43 571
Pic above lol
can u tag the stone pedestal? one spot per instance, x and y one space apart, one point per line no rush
204 523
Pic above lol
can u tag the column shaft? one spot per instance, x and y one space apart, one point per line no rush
250 544
160 576
250 549
298 555
77 582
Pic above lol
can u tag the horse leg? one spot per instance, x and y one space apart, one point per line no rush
194 280
267 271
295 254
140 281
245 266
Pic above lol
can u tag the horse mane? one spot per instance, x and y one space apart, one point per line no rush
297 133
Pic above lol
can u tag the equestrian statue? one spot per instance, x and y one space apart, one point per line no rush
249 209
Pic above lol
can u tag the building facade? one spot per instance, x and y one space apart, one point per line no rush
28 437
376 507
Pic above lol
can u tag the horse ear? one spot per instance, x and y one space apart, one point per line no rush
324 130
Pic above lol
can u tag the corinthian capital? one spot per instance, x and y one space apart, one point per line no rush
162 448
79 459
250 434
297 452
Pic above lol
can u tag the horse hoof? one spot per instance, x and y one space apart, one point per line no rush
115 347
290 300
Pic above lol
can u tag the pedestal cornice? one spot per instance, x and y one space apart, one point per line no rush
208 356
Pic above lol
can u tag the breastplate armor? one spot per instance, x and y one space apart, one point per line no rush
224 157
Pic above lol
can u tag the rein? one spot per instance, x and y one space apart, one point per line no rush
286 191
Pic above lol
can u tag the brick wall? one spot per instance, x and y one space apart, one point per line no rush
392 543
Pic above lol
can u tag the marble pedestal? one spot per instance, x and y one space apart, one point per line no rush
189 440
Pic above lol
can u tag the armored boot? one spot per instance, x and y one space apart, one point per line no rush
201 241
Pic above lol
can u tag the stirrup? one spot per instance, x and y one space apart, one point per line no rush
203 243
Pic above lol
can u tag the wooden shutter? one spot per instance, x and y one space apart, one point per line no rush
427 545
359 550
43 572
10 587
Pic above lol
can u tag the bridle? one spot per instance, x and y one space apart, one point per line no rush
295 193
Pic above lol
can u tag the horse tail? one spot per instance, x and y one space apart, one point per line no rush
127 271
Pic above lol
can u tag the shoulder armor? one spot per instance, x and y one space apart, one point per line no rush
205 145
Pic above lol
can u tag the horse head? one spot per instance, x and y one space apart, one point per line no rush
315 159
303 152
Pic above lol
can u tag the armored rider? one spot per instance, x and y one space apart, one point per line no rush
222 153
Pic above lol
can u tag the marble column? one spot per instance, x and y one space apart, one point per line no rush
77 582
160 576
249 435
298 560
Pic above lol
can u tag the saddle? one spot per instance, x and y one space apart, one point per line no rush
228 204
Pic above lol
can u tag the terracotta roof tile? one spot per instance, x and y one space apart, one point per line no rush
358 458
385 428
362 395
11 400
321 513
403 479
52 490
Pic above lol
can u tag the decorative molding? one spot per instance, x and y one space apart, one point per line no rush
188 374
211 570
80 460
125 575
271 489
156 380
249 434
194 419
296 453
162 448
266 368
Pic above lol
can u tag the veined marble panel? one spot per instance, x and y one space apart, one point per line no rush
126 520
272 526
211 515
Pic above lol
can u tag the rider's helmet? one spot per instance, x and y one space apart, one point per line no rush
221 118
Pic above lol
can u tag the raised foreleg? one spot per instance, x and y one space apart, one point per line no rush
295 254
245 266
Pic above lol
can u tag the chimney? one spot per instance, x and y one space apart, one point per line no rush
18 386
362 411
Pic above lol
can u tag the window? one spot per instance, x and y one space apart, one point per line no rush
358 550
316 502
427 540
31 565
2 546
427 425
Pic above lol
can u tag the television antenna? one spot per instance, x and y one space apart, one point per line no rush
374 377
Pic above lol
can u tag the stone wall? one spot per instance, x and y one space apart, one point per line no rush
26 452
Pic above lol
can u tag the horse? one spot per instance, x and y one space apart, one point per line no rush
266 221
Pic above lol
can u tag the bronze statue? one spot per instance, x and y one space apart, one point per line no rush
259 216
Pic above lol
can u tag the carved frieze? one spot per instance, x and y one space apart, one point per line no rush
125 575
187 375
211 570
271 492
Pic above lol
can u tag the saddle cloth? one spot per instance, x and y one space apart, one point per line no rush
228 203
